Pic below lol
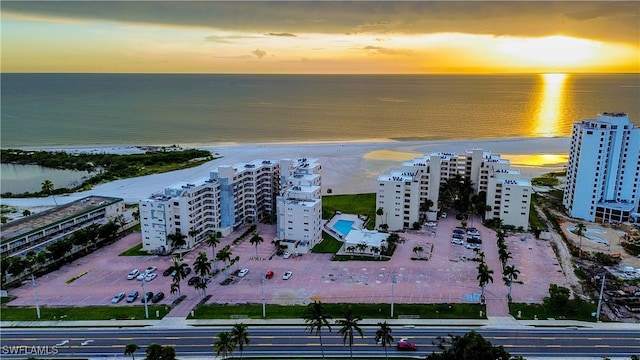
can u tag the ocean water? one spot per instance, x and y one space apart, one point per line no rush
140 109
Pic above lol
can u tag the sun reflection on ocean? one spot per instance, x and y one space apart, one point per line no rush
536 159
551 107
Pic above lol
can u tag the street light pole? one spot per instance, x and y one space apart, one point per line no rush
144 294
393 281
600 299
35 293
264 309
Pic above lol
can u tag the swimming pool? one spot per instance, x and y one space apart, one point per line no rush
343 226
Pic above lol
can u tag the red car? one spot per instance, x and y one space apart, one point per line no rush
405 345
269 274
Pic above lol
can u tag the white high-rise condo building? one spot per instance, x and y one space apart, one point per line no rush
232 196
299 204
403 195
604 170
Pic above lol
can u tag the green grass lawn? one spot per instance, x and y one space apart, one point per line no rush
363 204
328 245
82 313
575 310
367 311
135 251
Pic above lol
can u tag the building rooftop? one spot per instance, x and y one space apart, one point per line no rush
58 214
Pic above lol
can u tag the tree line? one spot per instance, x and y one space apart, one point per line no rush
60 252
104 167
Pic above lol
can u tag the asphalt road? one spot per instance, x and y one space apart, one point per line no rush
271 341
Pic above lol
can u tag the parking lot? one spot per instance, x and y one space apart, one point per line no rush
448 276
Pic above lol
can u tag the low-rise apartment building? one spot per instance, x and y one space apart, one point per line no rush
35 232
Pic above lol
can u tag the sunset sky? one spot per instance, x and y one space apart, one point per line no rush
379 37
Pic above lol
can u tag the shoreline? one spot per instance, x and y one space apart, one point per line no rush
348 167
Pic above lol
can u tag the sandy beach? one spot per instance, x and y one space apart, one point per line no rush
348 167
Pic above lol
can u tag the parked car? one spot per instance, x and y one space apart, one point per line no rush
269 274
185 270
458 231
148 296
431 224
457 242
193 280
287 275
243 272
286 255
443 215
457 236
474 240
141 276
132 296
150 269
406 345
473 232
133 274
473 246
157 297
117 298
150 276
168 272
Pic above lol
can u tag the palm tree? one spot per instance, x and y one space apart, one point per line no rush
511 273
501 236
418 250
256 239
349 326
381 212
202 267
178 275
240 336
224 344
175 288
504 256
383 336
375 250
154 352
212 240
47 188
177 240
580 230
224 255
316 319
130 348
484 277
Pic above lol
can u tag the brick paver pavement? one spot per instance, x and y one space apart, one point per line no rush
449 276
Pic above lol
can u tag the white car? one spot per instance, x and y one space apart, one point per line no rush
243 272
431 224
286 255
473 246
133 274
141 276
287 275
473 232
457 242
150 269
150 276
443 215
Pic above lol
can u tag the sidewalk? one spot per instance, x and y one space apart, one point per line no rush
501 322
